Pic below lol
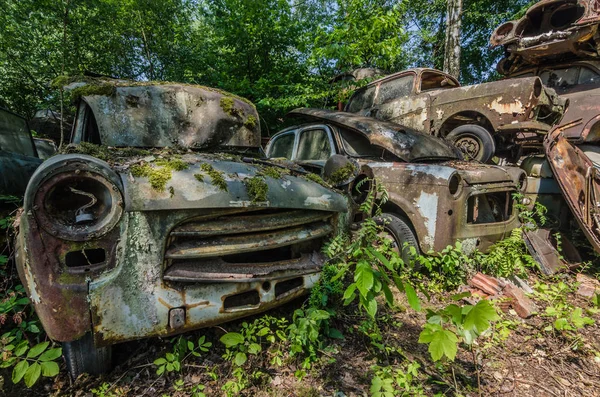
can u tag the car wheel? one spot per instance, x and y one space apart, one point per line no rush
474 141
83 357
399 230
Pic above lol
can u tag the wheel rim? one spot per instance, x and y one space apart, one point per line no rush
469 145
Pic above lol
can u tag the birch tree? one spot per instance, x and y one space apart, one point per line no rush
452 47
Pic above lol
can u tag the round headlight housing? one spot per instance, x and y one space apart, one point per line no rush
78 203
455 185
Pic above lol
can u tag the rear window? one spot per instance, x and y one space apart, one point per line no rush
397 88
362 99
14 135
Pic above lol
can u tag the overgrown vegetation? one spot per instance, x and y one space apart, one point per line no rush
257 189
158 172
216 177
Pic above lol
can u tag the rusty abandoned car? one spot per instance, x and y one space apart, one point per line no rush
559 41
482 120
18 155
168 227
435 199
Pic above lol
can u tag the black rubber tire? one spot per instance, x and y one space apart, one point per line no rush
83 357
400 229
485 140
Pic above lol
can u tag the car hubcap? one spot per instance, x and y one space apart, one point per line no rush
468 145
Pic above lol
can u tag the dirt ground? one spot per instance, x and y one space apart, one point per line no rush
517 357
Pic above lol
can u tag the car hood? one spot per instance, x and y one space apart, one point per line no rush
194 188
579 181
405 143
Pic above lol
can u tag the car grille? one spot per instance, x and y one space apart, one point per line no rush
247 246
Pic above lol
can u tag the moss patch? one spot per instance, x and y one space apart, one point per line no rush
199 177
98 151
228 105
316 178
257 188
273 172
250 122
342 174
158 177
216 176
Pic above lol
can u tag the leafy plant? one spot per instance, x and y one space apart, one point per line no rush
390 382
446 327
508 257
31 363
567 318
450 267
182 350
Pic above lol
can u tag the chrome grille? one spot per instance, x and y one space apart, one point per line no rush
249 245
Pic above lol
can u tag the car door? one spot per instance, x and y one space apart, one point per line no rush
18 156
311 146
397 102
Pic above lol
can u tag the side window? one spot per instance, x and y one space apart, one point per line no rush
489 208
14 135
282 146
314 145
393 89
363 99
588 76
560 78
435 81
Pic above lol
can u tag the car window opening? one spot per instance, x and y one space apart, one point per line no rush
435 81
489 208
314 145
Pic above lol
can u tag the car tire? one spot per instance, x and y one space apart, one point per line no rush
402 233
82 356
474 141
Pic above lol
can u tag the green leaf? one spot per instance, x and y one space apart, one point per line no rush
190 345
263 331
51 354
32 374
37 350
240 358
371 307
413 299
335 334
19 370
50 369
480 316
231 339
363 278
160 361
254 348
443 343
21 348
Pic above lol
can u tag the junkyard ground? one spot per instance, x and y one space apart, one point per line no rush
518 357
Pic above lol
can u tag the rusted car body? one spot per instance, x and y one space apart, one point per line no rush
482 119
439 197
18 155
168 238
549 30
559 42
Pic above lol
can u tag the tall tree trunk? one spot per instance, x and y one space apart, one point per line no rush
452 45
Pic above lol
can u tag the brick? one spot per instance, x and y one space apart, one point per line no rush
488 284
519 302
587 286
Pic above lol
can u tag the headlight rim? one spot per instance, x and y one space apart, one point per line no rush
76 170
